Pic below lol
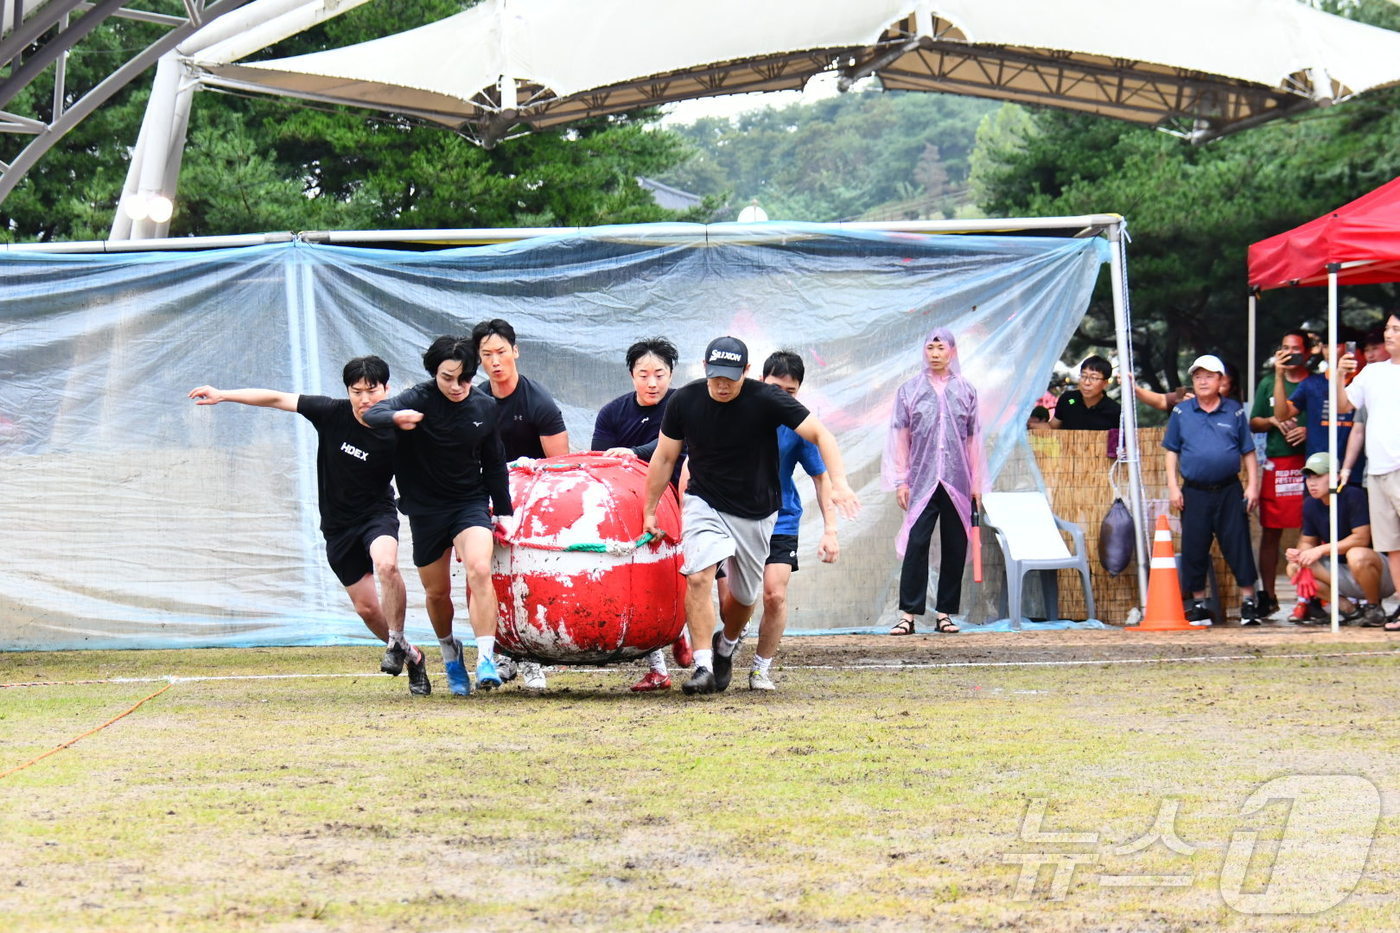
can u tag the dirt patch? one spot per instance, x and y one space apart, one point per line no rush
1114 645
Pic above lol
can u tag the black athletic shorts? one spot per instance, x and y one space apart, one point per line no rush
782 549
434 531
347 550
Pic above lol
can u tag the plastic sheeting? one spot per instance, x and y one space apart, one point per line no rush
134 518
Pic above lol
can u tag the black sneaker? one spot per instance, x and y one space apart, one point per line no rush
1249 611
392 664
1197 612
1371 616
1268 605
724 667
701 681
418 683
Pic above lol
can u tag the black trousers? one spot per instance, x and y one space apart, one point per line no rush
1219 514
913 576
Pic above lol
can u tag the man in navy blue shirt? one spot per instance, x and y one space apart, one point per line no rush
1207 438
1363 575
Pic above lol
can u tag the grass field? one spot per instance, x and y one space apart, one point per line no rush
865 793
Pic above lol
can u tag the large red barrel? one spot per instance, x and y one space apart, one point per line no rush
575 581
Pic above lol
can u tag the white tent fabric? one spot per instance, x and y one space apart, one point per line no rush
1213 64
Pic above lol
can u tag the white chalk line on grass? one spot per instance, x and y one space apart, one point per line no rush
870 666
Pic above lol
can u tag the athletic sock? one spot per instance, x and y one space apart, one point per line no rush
704 657
396 638
726 647
761 663
657 660
451 649
485 646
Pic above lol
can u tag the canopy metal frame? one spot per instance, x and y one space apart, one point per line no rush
37 37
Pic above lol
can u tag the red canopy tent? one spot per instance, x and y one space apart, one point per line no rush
1363 237
1357 244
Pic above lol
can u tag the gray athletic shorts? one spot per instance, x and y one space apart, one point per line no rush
709 536
1348 586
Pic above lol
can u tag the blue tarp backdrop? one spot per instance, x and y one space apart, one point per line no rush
134 518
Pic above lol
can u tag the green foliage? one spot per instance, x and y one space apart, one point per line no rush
838 158
71 193
259 164
1192 212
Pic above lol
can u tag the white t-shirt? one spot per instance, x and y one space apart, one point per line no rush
1377 389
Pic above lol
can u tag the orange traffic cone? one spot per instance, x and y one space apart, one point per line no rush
1164 612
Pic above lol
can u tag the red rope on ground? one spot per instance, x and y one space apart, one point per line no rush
76 739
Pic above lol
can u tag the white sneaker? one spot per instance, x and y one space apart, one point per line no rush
532 676
759 680
506 667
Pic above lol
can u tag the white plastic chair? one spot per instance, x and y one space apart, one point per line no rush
1029 535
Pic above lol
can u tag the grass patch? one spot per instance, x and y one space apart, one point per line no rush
863 798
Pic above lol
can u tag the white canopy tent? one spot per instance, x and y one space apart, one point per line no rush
1199 66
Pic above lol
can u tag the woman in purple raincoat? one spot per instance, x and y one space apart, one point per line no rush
932 462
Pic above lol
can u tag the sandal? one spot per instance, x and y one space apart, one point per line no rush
944 625
904 626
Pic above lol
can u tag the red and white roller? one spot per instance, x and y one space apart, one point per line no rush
577 581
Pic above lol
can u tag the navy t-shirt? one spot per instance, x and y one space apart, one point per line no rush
1209 444
733 446
1353 511
526 415
1310 398
624 423
353 463
452 456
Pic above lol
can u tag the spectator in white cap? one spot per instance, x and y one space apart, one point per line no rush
1207 439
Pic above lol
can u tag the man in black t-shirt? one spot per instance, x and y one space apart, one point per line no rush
452 473
531 426
531 423
354 463
1088 408
729 426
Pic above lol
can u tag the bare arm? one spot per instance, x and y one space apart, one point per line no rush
1173 485
555 445
1149 398
829 548
842 495
663 462
259 398
1355 441
1294 555
1251 489
1283 408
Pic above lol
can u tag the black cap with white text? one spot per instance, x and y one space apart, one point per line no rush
726 358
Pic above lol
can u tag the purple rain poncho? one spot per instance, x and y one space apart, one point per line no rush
930 428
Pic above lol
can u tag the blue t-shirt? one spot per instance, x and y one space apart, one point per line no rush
1353 511
1310 398
793 450
1209 443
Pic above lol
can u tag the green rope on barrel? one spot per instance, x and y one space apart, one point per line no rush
602 548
